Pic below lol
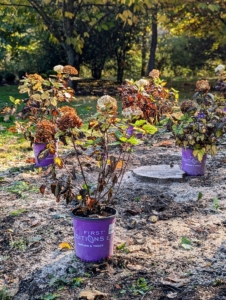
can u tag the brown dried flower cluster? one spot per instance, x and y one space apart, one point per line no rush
35 77
202 86
66 109
69 70
45 131
69 120
186 105
154 74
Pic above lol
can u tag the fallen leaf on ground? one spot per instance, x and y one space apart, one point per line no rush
172 279
134 267
212 229
91 294
117 286
42 189
65 246
165 144
35 223
30 160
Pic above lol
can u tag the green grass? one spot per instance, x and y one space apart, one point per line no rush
187 85
9 90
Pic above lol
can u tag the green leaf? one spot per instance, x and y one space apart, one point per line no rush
123 139
133 140
215 203
114 143
122 246
200 195
186 243
139 123
199 153
150 128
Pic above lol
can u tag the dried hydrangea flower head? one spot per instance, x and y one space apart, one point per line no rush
202 86
34 82
132 111
142 82
219 69
69 70
69 120
45 131
34 77
66 109
154 74
186 106
107 104
58 68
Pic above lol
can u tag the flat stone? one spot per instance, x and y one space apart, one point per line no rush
160 173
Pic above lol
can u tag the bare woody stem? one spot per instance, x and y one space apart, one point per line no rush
80 165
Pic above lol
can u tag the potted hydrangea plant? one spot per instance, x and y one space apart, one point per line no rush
40 112
102 150
150 95
197 128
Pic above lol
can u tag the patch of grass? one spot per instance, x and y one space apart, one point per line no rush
20 244
4 295
17 212
9 90
21 187
50 296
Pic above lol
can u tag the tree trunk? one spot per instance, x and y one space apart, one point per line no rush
151 63
73 59
96 72
120 54
143 54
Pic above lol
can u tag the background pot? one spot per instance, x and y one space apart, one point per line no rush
191 165
48 160
94 237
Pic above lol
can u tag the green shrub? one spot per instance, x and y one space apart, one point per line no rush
21 73
44 75
50 72
10 77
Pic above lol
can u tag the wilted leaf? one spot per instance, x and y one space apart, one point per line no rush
59 162
35 223
51 147
119 164
92 295
65 246
42 189
117 286
90 202
30 160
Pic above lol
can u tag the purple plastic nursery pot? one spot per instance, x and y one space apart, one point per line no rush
38 147
94 237
191 165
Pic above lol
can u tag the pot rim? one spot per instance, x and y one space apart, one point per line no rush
113 215
44 143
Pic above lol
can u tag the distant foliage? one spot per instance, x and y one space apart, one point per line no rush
10 77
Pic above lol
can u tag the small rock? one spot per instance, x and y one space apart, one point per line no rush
132 224
153 219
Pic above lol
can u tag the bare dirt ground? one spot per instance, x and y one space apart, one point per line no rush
170 240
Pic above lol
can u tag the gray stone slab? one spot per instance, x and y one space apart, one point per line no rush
162 173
